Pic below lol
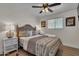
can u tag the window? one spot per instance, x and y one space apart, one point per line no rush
55 23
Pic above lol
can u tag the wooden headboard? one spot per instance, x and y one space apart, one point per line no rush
27 27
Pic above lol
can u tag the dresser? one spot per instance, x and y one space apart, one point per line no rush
10 44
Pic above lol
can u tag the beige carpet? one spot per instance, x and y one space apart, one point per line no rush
67 51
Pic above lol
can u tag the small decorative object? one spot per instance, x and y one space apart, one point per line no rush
70 21
9 34
43 23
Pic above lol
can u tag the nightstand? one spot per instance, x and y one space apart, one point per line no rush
10 44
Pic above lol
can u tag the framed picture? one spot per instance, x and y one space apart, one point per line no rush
70 21
43 23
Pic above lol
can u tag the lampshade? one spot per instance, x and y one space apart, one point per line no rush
9 34
9 27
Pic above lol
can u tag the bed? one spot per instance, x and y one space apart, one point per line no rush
39 44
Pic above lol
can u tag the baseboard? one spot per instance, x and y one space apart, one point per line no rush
73 46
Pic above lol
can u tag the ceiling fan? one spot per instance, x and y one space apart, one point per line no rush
45 7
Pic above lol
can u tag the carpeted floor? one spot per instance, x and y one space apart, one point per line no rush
67 51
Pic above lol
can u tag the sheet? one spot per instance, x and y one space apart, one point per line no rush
24 41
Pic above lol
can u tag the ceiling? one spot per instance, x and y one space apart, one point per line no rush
25 9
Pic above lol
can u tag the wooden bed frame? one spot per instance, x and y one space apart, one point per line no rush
26 27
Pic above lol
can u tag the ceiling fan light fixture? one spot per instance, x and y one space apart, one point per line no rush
43 10
46 9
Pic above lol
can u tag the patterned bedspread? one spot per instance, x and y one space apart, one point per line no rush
44 46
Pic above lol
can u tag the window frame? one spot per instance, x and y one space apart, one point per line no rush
55 24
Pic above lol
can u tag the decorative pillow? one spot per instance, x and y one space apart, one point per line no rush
37 32
29 33
33 33
50 35
23 34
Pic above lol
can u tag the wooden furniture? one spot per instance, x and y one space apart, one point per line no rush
10 44
18 38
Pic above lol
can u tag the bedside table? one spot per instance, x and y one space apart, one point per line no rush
10 44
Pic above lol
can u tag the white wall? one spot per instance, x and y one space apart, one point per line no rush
27 20
2 27
68 35
20 20
17 13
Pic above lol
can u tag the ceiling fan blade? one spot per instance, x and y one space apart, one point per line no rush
50 10
41 11
36 6
55 4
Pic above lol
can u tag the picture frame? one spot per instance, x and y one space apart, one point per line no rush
70 21
43 23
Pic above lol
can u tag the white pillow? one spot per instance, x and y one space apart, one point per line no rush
50 35
30 33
